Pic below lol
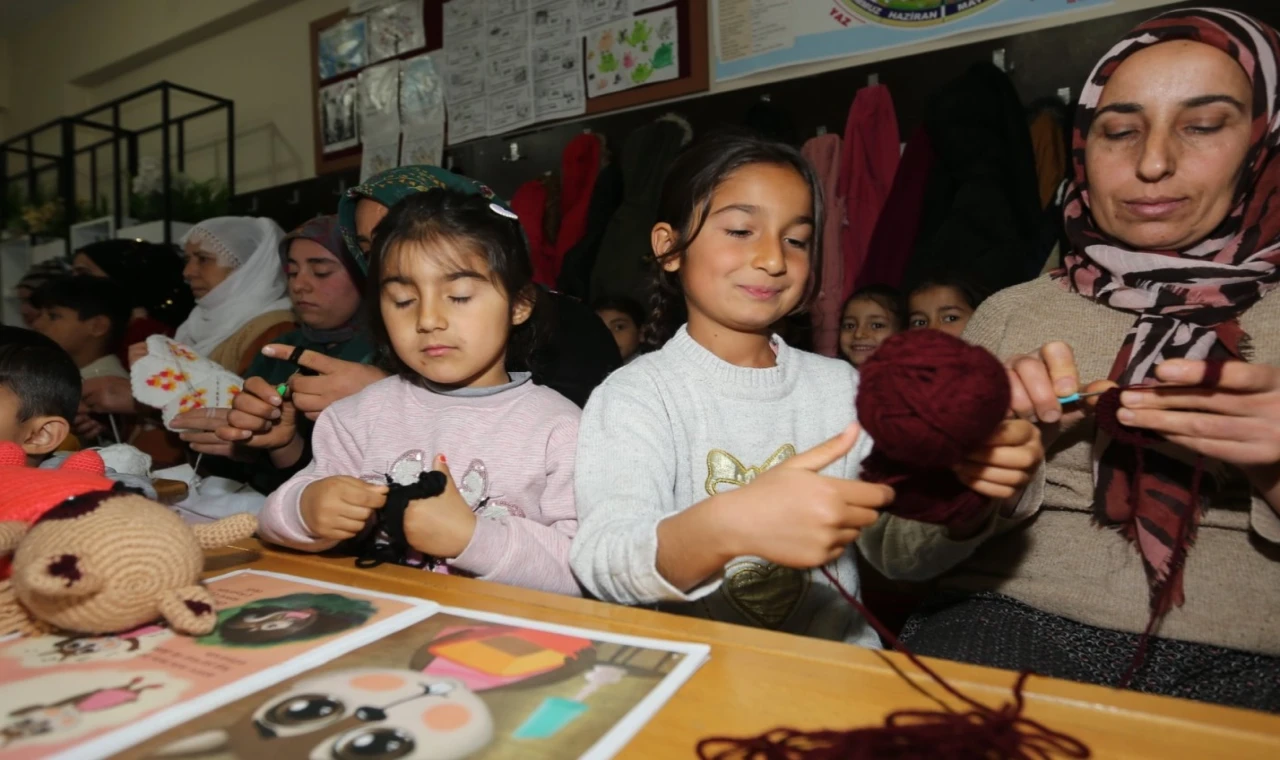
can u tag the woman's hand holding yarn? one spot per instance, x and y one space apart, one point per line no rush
335 379
199 429
1038 380
259 418
1237 421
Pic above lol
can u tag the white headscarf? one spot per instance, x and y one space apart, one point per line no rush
255 286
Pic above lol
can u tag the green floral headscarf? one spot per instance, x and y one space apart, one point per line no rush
394 185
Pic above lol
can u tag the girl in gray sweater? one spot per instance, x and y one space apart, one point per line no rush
717 475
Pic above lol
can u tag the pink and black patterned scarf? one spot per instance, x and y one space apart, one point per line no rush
1187 302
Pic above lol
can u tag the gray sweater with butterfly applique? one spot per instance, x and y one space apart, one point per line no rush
679 425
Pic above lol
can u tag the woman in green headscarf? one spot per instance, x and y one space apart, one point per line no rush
578 353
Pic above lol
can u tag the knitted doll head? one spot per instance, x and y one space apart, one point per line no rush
110 561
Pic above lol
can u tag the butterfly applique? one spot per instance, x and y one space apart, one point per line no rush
724 469
474 487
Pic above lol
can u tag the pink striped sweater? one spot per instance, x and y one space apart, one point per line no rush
511 455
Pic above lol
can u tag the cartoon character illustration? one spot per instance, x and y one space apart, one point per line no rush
288 619
488 656
44 651
49 717
357 712
493 658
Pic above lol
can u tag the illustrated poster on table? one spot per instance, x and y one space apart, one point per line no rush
90 696
461 684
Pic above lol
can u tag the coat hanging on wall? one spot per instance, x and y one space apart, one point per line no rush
981 215
823 152
580 260
529 201
1048 141
872 148
899 222
579 167
622 267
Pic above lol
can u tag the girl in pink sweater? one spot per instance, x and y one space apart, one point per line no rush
451 295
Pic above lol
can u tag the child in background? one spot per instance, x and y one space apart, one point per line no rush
450 296
869 317
943 303
39 392
624 318
88 317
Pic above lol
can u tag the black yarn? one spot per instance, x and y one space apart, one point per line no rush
385 541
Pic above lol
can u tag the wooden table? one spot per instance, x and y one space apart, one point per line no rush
757 680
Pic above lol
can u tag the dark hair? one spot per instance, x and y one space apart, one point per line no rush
468 220
149 275
972 292
686 201
886 296
623 304
88 297
41 374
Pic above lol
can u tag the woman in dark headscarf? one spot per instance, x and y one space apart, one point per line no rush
325 286
151 275
1128 567
578 353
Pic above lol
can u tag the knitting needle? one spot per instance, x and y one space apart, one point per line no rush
1074 397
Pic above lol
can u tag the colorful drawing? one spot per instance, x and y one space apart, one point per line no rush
358 712
637 52
459 684
287 619
343 47
47 651
54 708
89 697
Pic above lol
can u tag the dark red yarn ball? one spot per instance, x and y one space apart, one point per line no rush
929 399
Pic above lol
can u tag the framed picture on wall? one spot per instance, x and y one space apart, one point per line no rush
343 47
339 119
396 29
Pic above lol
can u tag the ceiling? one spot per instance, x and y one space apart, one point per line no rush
16 14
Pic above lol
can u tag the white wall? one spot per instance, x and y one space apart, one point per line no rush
257 53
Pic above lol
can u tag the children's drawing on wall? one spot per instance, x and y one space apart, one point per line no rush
455 685
633 52
288 619
59 707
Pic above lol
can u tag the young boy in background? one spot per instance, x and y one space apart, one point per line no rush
88 317
39 392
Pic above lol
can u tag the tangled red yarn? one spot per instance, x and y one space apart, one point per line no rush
928 400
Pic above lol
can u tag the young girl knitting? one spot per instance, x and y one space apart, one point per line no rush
717 474
450 286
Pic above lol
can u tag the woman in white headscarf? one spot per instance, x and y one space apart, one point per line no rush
233 268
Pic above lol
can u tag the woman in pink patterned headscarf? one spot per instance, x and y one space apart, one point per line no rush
1173 218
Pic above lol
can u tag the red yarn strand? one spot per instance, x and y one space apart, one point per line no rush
982 732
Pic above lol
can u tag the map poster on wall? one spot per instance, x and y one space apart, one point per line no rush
759 35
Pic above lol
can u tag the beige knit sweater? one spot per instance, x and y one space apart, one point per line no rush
1051 555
